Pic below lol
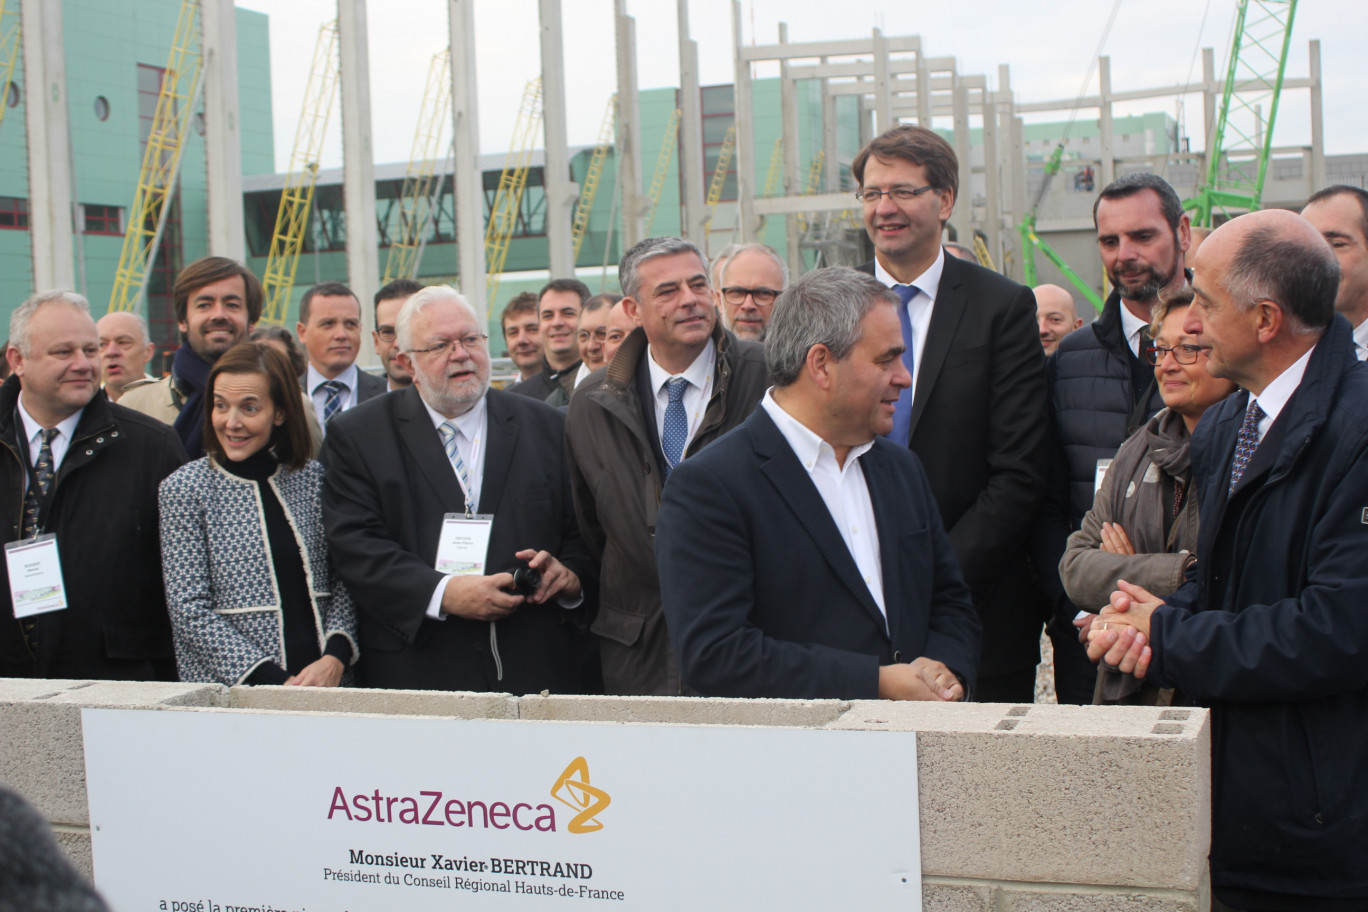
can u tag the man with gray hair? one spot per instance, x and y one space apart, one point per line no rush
80 475
125 349
434 494
803 556
678 382
752 278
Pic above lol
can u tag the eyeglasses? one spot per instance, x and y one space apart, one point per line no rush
871 197
386 333
1183 354
584 335
471 342
738 295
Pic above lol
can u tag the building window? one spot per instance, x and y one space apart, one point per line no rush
101 108
13 212
102 219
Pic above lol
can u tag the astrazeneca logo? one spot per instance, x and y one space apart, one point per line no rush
573 790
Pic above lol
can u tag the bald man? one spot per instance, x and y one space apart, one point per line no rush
125 351
1056 314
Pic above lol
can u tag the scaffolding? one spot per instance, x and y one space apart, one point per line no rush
417 197
296 199
589 189
161 161
503 215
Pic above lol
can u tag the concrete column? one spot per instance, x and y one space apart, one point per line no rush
692 213
1209 92
358 164
883 91
49 145
923 90
222 135
992 220
1317 118
793 178
628 130
746 226
560 195
1108 150
963 215
831 146
468 179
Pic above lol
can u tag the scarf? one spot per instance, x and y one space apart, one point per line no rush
189 375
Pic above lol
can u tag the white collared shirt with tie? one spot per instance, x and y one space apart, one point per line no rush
919 308
61 441
699 375
471 429
313 382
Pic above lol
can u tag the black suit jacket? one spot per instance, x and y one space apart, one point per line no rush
980 422
388 486
761 594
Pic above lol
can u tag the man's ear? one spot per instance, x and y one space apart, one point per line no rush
818 365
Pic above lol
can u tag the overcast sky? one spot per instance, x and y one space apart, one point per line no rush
1154 43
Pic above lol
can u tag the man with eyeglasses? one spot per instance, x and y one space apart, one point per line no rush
389 300
434 495
592 336
976 413
751 279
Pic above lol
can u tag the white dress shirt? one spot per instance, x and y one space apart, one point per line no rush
583 372
700 377
1276 394
313 382
1361 341
919 309
843 490
60 443
1132 326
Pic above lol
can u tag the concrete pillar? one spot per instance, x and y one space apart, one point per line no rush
923 90
794 179
49 145
992 220
883 91
1317 118
628 130
358 163
746 226
1108 150
962 218
468 179
560 195
831 146
1209 92
692 213
222 134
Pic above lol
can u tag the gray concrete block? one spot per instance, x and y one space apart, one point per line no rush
42 755
683 710
378 702
1097 780
951 896
1073 899
75 844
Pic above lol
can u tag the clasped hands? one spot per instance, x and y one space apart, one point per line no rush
921 679
1119 636
482 598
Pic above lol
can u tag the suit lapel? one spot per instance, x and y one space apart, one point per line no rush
501 435
420 438
887 523
946 313
791 481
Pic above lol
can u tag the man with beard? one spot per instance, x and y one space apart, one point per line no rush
399 466
1102 387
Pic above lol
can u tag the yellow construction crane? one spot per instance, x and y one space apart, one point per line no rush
814 181
416 198
161 161
667 149
772 176
719 178
981 251
503 215
296 199
9 52
589 188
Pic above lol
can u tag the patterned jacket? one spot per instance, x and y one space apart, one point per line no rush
221 587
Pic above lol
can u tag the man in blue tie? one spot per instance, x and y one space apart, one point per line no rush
1270 629
977 412
329 328
678 381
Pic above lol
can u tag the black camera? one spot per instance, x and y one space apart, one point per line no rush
525 581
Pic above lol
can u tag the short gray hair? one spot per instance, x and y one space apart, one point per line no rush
141 321
824 307
755 247
417 303
1300 274
19 320
649 249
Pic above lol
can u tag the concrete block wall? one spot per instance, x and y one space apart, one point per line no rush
1032 808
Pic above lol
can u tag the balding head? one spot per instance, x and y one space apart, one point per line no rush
124 351
1056 315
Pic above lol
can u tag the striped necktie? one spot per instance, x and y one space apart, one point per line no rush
333 404
450 433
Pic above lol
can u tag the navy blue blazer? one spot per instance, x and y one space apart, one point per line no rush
761 594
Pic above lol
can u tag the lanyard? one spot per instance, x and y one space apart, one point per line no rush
474 461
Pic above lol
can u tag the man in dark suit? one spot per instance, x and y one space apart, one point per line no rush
330 330
977 413
558 315
400 464
802 555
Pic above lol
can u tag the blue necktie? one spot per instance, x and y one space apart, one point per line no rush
333 404
1246 442
902 412
676 424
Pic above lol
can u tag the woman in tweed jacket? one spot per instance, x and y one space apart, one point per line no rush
251 592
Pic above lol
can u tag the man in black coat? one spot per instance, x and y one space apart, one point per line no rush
75 465
400 464
1270 630
977 414
558 313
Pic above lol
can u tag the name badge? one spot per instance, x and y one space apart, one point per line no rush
463 547
35 576
1102 465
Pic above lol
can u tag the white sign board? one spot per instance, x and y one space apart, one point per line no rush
237 811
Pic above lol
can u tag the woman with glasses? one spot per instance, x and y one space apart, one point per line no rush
252 594
1143 523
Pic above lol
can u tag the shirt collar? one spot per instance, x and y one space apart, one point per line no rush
696 373
928 283
347 378
1131 323
468 423
1361 335
806 445
66 427
1276 394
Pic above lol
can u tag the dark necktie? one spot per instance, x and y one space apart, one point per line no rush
676 424
333 404
902 412
1245 443
39 483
